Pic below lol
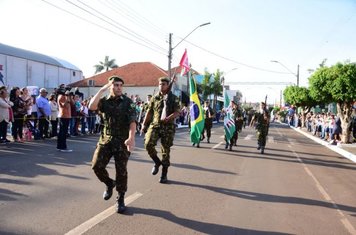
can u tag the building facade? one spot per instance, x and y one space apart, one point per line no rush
21 68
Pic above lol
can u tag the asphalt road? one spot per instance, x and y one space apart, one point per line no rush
296 187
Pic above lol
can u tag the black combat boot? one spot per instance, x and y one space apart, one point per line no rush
155 168
108 192
230 148
120 203
164 179
208 140
262 149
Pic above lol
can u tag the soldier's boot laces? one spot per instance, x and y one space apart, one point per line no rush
120 203
164 178
108 192
156 166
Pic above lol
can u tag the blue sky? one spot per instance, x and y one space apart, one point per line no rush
243 34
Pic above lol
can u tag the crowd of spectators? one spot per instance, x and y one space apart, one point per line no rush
325 125
36 117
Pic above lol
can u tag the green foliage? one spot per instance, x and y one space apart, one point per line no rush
205 86
298 96
106 65
334 84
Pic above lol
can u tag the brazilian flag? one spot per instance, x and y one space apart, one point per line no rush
196 112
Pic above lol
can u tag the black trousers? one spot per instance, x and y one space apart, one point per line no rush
63 131
3 130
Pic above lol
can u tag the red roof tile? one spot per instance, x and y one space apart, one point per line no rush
134 74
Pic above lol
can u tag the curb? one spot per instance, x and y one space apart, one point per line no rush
334 148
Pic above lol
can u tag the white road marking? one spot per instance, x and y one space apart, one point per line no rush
84 227
217 145
326 196
270 139
248 137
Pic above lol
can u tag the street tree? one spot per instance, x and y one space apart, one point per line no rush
105 65
211 85
300 97
336 84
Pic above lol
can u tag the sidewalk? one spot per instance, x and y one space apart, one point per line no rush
346 150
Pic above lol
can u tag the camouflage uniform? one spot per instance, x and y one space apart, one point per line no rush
116 114
208 123
158 129
262 120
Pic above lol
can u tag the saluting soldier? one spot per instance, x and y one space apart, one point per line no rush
117 138
162 110
261 119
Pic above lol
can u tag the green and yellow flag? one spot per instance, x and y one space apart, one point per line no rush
196 112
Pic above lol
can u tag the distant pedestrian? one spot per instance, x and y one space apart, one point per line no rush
64 114
43 112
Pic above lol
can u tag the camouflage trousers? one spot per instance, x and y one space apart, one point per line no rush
166 134
261 136
101 158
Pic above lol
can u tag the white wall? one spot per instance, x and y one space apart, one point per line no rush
36 73
16 72
3 71
22 72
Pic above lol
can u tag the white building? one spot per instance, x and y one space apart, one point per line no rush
22 68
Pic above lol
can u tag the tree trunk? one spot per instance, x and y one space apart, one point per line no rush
344 111
305 111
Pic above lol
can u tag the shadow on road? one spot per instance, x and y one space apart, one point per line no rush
198 226
266 197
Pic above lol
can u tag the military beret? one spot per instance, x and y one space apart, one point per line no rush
263 103
164 79
116 79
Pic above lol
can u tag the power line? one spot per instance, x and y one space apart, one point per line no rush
136 17
102 27
234 61
122 28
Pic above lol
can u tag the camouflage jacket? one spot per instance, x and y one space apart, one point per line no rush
262 119
155 107
116 114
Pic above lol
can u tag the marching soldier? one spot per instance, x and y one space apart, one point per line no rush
117 138
163 109
238 114
208 124
261 118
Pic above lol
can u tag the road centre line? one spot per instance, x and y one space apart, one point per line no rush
323 192
84 227
326 196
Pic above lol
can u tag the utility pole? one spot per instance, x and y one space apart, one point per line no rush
298 76
170 55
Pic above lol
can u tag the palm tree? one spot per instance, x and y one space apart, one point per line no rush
107 64
212 86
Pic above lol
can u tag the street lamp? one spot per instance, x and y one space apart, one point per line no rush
224 74
297 75
171 48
